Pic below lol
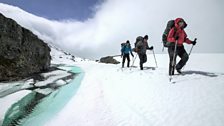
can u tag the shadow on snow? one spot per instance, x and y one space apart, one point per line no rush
207 74
144 68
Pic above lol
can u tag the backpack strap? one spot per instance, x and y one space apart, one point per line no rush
175 31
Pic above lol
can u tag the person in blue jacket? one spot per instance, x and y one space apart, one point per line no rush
125 50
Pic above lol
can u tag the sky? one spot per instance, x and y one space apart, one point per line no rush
57 9
108 23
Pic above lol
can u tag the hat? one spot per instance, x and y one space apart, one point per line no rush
146 37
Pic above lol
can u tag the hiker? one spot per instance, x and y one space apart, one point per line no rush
141 47
125 50
179 36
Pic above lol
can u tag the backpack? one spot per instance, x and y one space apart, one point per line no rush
138 39
169 26
124 46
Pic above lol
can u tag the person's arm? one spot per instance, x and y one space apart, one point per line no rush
187 40
122 51
147 46
131 51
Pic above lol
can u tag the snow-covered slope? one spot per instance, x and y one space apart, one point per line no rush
109 96
62 57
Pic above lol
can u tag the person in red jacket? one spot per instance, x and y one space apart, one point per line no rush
178 34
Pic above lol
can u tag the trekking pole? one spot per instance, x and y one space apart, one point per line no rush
155 58
173 61
134 60
192 47
163 47
190 51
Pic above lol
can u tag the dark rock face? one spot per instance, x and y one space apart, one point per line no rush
109 59
21 52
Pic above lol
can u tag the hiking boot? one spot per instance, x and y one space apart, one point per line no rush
178 68
179 71
141 66
128 64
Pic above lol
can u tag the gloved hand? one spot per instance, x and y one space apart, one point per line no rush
176 37
151 48
194 42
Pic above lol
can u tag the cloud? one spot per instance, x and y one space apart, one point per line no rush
115 21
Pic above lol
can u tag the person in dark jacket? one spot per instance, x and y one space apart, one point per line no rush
142 46
125 50
178 34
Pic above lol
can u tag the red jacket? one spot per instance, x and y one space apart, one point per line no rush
177 31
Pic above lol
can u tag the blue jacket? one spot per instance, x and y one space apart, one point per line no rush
126 49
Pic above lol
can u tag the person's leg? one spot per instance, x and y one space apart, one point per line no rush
123 61
141 60
128 58
144 58
184 58
171 65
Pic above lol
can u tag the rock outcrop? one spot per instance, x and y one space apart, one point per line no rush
21 52
109 59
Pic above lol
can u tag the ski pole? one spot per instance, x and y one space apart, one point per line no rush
163 49
155 58
134 60
173 61
192 47
190 51
163 46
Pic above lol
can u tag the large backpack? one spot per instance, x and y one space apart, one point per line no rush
124 46
138 39
169 26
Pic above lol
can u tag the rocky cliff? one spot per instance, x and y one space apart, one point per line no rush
21 52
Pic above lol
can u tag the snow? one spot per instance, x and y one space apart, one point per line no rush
9 101
109 96
61 57
52 76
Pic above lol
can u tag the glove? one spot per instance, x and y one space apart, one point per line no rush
176 37
151 48
194 42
